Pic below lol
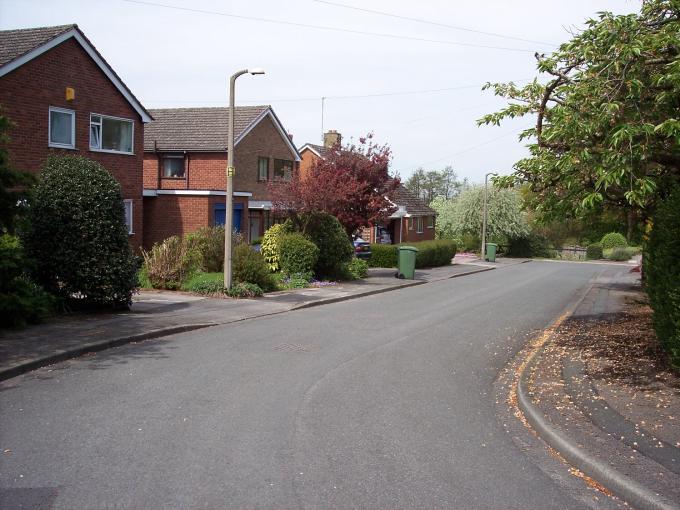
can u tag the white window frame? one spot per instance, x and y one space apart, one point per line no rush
57 145
129 202
101 135
259 174
419 225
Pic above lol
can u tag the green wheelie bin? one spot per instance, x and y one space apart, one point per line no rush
491 252
407 262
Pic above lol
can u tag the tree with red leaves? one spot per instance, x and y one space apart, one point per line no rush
351 182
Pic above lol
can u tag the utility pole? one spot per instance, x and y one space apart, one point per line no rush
323 100
486 180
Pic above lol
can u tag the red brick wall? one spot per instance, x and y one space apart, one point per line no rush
411 235
308 158
26 95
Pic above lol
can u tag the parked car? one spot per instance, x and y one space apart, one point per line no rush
362 249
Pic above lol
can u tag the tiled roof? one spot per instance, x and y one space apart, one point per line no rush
15 43
415 206
198 129
319 149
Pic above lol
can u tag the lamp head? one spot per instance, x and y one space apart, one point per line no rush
256 70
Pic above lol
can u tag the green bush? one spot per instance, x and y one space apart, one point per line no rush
594 251
662 274
171 262
270 245
297 254
613 240
249 266
620 253
532 245
78 236
326 232
244 290
21 300
204 283
209 242
383 255
357 269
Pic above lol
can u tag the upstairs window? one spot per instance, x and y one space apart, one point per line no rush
262 169
111 134
62 128
173 166
283 169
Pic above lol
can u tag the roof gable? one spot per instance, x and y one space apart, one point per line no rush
17 47
206 129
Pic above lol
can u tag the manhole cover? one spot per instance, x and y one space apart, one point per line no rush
293 348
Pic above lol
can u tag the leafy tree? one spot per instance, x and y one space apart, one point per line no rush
77 234
607 119
14 185
351 183
463 215
434 183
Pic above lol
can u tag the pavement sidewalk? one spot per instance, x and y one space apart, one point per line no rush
608 417
160 313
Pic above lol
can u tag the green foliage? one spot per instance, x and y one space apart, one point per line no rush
463 214
78 236
270 245
607 127
204 283
21 301
532 245
292 281
249 266
383 255
612 240
143 280
14 186
434 183
209 242
357 269
620 253
297 254
326 232
662 274
430 253
244 290
594 251
171 262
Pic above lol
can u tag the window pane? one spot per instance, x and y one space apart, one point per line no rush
128 215
61 128
283 169
173 167
95 136
116 135
263 164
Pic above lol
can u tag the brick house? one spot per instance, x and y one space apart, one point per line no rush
185 162
62 97
413 220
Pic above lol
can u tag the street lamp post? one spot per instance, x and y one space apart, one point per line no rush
229 213
486 180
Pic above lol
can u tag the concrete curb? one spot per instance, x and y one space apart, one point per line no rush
619 484
75 352
57 357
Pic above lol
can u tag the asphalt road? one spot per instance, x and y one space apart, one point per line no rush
380 402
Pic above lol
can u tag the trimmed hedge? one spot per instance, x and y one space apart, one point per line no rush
430 253
594 251
297 254
77 235
662 274
613 240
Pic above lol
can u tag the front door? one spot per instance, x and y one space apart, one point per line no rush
219 215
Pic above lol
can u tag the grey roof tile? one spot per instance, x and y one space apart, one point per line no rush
415 206
15 43
196 129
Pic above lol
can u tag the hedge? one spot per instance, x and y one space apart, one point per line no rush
430 253
594 251
297 254
662 274
613 240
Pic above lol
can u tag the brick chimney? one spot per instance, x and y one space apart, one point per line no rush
330 138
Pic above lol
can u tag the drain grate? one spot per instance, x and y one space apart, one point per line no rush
293 348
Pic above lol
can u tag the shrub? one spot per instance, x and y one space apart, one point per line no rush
297 254
78 236
21 300
612 240
620 253
594 251
326 232
357 269
171 262
204 283
383 255
209 242
249 266
270 245
244 290
662 274
532 245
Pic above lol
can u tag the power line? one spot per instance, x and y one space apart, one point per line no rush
321 27
428 22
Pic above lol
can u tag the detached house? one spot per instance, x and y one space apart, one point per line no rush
413 220
62 97
185 162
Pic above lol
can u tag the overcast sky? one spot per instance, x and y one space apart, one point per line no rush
173 57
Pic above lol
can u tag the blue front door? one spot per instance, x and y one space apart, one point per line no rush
220 215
